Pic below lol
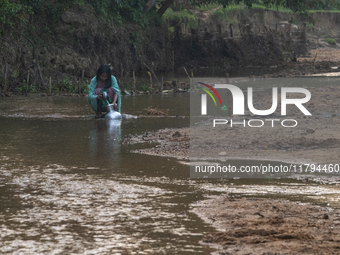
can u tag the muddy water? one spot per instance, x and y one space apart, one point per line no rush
68 185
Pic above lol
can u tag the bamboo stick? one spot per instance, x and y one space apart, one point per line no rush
150 83
5 84
82 81
50 90
122 76
151 72
41 77
188 75
28 78
173 63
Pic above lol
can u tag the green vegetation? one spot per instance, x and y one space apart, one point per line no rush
37 27
30 88
183 15
21 88
128 86
117 11
331 41
313 11
279 8
302 6
12 12
144 87
85 88
207 7
67 86
143 12
221 8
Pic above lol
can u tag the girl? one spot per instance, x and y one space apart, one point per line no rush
104 81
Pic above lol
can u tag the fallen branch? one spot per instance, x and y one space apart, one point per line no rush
187 73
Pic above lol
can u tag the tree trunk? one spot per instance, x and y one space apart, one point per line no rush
165 6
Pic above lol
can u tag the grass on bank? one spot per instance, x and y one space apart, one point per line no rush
330 41
189 17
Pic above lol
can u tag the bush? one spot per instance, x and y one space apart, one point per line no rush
331 41
68 86
11 12
185 16
144 87
86 88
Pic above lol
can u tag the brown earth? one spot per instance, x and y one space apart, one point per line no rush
322 55
268 226
316 138
264 225
77 45
171 142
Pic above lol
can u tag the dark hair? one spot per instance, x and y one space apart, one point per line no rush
105 69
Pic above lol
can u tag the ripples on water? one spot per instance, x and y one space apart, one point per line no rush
71 187
57 212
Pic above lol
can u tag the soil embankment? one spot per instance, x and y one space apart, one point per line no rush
75 43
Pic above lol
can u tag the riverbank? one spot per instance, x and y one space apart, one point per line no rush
247 225
315 139
323 61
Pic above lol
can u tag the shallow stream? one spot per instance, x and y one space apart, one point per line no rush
69 185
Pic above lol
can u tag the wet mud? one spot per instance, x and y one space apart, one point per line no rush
314 140
169 143
248 225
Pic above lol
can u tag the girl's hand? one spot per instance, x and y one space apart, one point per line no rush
114 105
100 96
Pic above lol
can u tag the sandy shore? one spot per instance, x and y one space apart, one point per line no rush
269 226
263 225
316 139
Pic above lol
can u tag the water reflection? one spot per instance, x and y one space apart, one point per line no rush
105 142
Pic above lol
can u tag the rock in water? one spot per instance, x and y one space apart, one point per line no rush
113 115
